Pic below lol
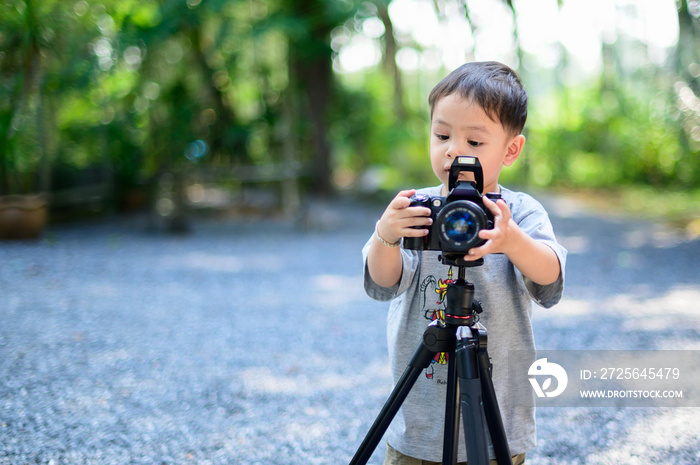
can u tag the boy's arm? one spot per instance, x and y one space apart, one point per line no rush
383 262
535 260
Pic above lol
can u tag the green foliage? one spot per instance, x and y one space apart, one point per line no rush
34 66
368 133
576 137
131 84
585 137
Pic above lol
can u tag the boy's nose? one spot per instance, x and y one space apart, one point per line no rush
458 148
455 152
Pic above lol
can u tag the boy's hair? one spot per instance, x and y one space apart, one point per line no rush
493 86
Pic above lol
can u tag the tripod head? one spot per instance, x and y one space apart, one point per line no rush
462 309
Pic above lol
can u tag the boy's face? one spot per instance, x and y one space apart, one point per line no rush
460 127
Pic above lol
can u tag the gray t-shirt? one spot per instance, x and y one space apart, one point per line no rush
507 298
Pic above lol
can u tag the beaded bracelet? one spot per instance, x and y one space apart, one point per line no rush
388 244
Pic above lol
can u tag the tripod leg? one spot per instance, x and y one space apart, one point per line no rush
452 410
420 361
493 414
470 397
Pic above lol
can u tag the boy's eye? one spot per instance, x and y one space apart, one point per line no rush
474 143
442 136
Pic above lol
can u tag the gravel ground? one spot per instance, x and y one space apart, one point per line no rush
252 342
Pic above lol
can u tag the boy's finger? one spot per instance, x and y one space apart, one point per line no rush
477 252
403 199
419 211
419 220
472 255
493 206
486 234
410 232
503 209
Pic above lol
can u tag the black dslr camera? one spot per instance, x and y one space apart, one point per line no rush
457 218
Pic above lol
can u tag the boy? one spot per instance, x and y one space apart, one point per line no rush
478 110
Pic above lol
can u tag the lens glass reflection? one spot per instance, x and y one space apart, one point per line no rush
460 226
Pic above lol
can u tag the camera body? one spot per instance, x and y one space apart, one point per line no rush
457 218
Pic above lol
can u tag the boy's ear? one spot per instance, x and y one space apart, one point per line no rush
513 149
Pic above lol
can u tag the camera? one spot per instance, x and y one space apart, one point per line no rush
457 218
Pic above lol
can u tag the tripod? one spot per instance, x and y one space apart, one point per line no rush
469 384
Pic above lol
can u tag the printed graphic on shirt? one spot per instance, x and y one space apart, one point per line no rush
434 293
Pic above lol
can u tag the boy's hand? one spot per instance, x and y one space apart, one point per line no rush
535 260
498 239
398 218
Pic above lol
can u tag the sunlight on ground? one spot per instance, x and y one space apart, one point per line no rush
682 300
262 380
653 437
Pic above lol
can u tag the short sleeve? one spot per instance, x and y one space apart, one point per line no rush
532 218
410 262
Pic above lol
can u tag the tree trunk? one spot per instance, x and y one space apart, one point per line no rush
225 116
310 61
390 49
685 49
315 78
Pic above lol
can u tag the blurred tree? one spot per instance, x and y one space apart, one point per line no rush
310 23
184 78
687 49
21 106
25 35
390 50
142 83
687 89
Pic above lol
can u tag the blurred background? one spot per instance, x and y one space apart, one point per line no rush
174 105
253 341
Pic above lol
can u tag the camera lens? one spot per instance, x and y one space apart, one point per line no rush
459 224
